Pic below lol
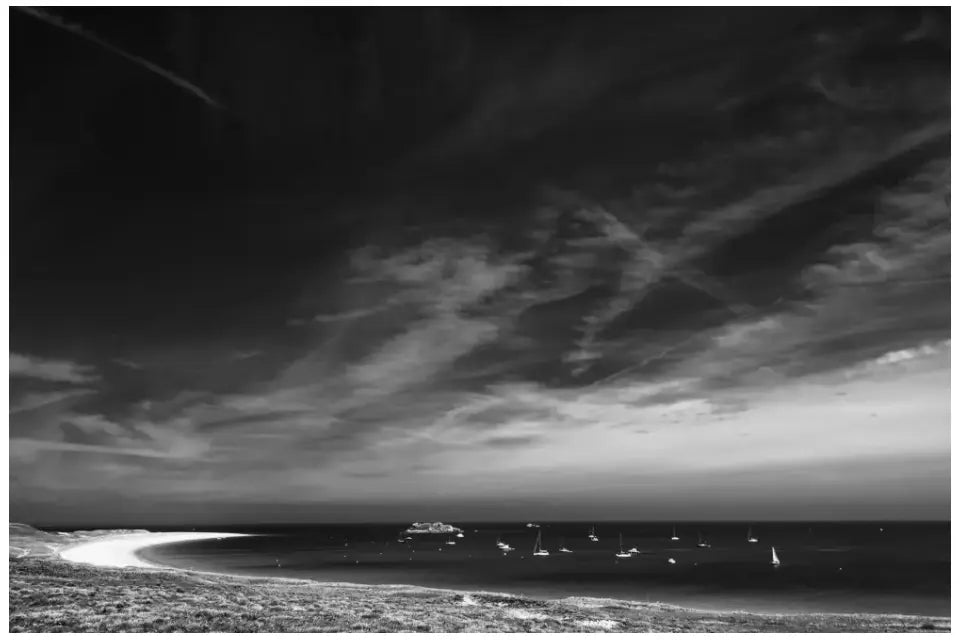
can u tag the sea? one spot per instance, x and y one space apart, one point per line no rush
876 567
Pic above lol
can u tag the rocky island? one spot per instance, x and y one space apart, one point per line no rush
432 527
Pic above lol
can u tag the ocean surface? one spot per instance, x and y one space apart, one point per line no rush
825 567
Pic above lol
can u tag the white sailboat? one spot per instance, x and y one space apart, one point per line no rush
622 553
538 550
750 537
563 547
450 542
674 536
592 536
775 561
703 544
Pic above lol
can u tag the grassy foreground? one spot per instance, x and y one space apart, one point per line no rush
49 594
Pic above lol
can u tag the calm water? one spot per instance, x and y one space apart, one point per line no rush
862 567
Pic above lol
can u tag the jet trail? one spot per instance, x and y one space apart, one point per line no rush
97 40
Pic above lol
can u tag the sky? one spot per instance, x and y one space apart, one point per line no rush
314 265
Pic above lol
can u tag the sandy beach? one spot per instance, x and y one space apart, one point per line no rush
121 550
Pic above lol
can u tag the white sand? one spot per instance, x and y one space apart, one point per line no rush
121 550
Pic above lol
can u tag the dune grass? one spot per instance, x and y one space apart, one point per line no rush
49 594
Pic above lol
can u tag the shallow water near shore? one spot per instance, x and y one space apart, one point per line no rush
826 567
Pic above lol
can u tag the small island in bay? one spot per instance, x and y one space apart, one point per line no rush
431 527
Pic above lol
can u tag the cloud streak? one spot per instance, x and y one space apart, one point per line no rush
51 370
88 35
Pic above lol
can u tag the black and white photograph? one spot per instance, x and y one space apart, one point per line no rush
473 319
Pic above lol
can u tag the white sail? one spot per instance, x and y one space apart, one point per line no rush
537 549
775 560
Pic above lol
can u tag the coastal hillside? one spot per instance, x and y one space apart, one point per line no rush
50 594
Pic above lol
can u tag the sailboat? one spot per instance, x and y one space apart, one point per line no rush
703 544
750 537
563 547
538 550
622 553
592 536
775 561
674 536
451 541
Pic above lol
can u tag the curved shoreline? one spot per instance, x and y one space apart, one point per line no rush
122 550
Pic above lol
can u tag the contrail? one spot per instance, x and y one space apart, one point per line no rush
97 40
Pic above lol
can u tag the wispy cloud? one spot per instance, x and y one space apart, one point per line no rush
129 364
51 370
506 442
38 400
345 316
246 355
29 447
